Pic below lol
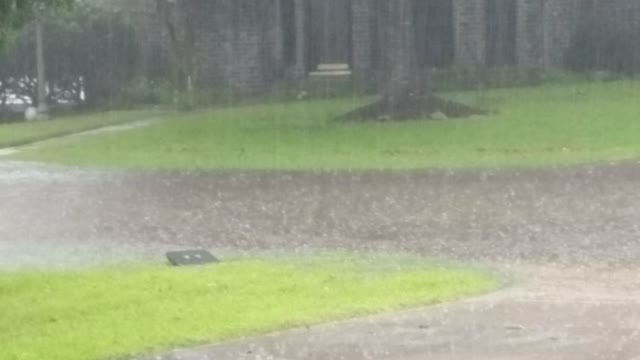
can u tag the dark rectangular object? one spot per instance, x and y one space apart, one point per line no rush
191 258
329 32
435 33
501 31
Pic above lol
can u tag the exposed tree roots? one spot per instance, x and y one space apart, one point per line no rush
412 108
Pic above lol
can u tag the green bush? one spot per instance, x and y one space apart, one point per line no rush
90 56
143 91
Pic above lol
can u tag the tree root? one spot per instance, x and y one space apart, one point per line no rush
414 108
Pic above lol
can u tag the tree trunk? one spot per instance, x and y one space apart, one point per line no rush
401 74
43 108
408 89
181 43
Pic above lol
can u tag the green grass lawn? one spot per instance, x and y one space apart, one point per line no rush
15 134
550 125
100 314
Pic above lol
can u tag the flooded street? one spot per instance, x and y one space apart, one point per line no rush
167 113
572 259
510 217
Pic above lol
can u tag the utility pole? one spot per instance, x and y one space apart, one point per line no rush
43 108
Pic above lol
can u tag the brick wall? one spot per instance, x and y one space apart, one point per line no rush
233 44
152 42
362 32
561 20
239 41
626 12
470 32
530 33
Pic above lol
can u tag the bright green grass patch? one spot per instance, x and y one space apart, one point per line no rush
116 312
26 132
549 125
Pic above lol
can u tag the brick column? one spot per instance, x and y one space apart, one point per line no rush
300 69
561 20
470 32
530 33
278 51
362 46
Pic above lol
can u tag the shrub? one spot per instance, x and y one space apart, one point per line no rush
143 91
90 55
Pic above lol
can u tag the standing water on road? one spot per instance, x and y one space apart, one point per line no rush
399 179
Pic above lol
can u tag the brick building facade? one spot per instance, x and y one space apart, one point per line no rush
247 45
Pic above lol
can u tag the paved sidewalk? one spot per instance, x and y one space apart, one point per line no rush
11 150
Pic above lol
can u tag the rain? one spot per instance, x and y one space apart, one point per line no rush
374 179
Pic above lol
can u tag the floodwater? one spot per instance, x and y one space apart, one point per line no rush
566 239
574 293
506 216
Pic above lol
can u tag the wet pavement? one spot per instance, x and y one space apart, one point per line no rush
578 216
545 317
75 136
571 236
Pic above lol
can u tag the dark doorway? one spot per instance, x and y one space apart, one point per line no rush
288 18
435 40
329 33
502 20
